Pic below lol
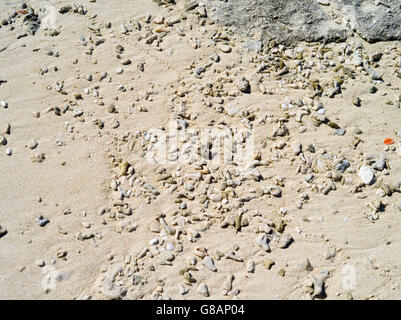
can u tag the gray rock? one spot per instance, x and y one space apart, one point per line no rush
41 221
287 21
372 22
209 263
379 165
342 166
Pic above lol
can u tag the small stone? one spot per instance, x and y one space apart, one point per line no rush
379 165
373 89
366 174
268 263
4 104
356 102
9 151
306 265
225 48
7 129
285 241
32 144
340 132
203 289
209 263
275 191
215 197
331 253
243 85
324 2
126 62
263 242
183 290
290 54
41 221
3 141
21 35
86 225
250 266
189 186
3 231
297 147
103 210
356 60
40 263
136 279
154 241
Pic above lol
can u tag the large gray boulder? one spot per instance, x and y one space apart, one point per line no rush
289 21
373 20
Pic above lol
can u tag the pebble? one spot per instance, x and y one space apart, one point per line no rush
250 266
183 290
366 174
209 263
4 104
339 132
263 242
243 85
285 241
379 165
86 224
9 151
228 284
356 102
203 289
268 263
3 231
32 144
40 263
215 197
297 148
41 221
275 191
324 2
225 48
331 253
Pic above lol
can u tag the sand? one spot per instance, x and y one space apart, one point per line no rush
73 181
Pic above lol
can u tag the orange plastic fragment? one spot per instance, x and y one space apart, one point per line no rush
388 141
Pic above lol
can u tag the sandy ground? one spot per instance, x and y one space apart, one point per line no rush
354 257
